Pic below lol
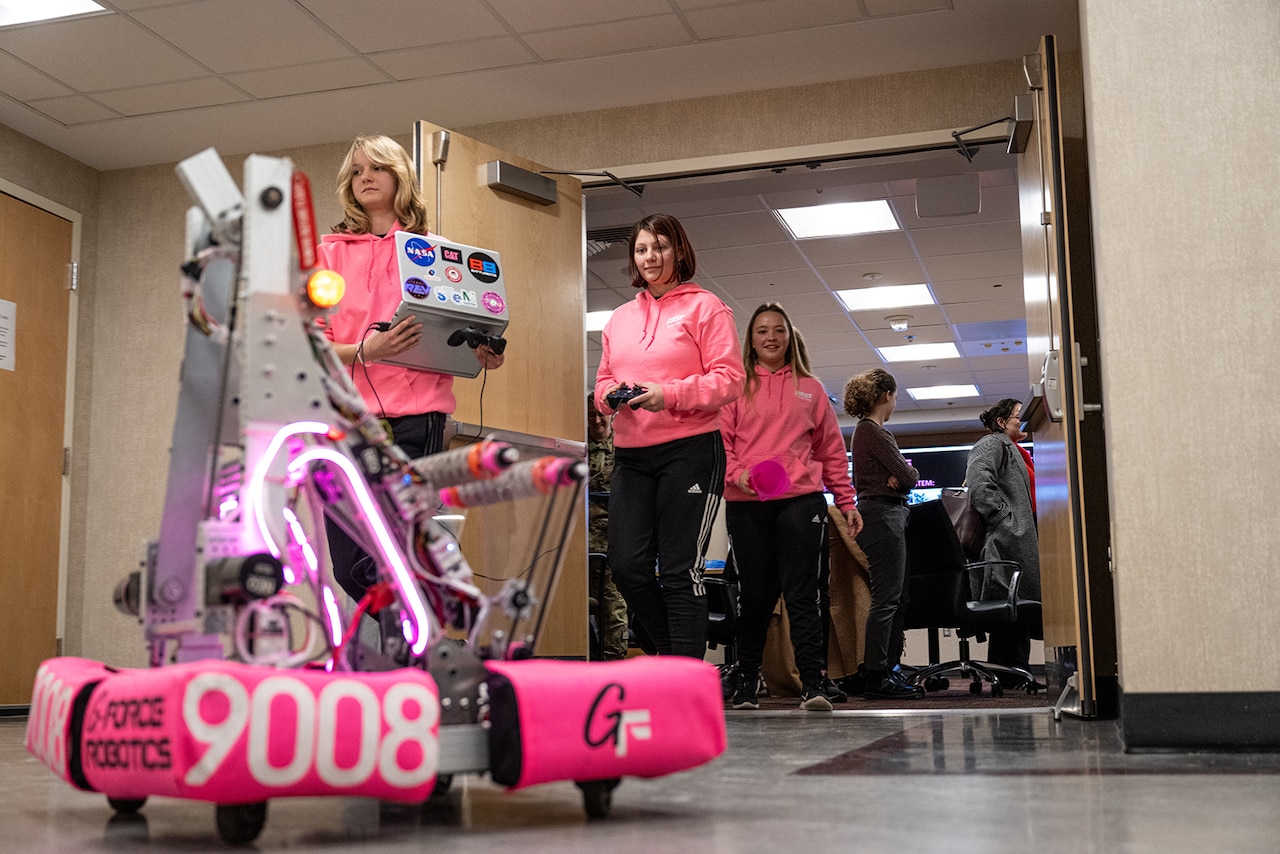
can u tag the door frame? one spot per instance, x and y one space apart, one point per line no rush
68 420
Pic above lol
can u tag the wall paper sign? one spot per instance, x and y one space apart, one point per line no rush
8 333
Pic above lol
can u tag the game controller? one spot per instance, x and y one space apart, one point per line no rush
624 393
473 338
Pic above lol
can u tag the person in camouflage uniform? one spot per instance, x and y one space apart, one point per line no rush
612 608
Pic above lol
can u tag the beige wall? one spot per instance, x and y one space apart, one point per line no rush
1185 179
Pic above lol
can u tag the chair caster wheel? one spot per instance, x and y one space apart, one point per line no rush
997 690
975 687
937 683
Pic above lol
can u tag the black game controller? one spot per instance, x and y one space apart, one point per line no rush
473 338
623 394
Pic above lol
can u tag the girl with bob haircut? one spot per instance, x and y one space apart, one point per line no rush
678 343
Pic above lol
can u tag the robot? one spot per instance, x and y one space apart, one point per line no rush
271 441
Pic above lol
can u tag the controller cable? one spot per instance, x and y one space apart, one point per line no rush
381 326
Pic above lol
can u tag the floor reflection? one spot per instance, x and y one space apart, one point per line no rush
1020 744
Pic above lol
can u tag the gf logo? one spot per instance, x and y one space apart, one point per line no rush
617 726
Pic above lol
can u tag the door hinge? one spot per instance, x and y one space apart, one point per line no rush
73 276
66 462
1046 218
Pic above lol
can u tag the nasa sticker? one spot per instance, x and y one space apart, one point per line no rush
493 302
416 288
482 267
420 252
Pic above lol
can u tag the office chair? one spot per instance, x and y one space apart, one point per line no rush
942 596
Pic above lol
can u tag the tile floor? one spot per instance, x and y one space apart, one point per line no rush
791 781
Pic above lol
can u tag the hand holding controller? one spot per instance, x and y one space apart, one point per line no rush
623 394
473 338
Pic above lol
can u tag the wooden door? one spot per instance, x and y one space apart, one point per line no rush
35 249
541 390
1066 423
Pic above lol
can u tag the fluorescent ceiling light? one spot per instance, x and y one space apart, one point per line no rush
597 319
838 219
887 296
942 392
25 11
919 352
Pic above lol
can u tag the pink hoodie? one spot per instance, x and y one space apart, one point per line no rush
793 423
686 342
368 263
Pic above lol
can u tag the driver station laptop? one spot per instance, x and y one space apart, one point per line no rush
448 287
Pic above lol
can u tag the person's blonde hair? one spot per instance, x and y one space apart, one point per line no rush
863 390
410 207
797 352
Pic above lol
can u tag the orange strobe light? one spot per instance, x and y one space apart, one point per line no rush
325 288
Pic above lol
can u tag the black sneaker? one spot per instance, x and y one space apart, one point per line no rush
854 683
832 691
813 700
747 694
729 678
881 686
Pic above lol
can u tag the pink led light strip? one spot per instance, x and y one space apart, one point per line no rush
417 634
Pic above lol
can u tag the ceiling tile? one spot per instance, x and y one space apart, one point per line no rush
861 248
905 7
766 286
526 17
987 310
735 229
614 37
769 16
920 315
414 63
1013 329
957 239
406 23
801 306
836 322
23 83
980 290
312 77
1001 347
135 5
73 110
185 95
244 35
846 276
760 257
99 53
974 265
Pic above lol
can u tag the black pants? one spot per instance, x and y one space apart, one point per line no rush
662 502
884 541
778 547
353 569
